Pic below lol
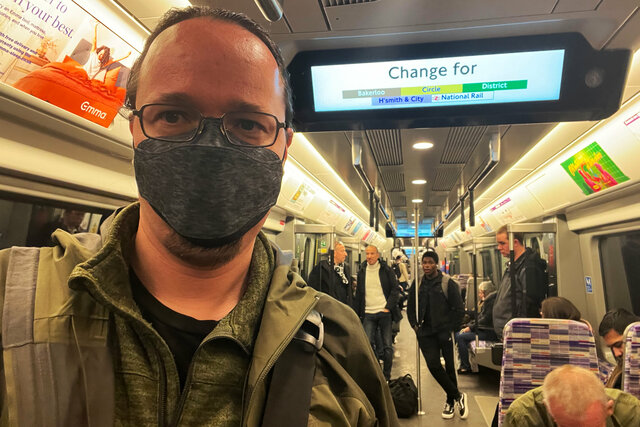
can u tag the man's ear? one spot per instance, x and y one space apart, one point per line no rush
289 140
609 408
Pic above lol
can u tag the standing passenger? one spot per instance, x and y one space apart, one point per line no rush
611 330
440 313
333 281
530 281
181 315
376 297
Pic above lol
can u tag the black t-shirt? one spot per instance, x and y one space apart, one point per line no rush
183 334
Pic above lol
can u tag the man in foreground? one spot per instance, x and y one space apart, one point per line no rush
182 314
573 397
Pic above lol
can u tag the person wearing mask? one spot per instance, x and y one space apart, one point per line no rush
571 396
530 282
376 298
181 312
333 280
440 312
611 330
483 329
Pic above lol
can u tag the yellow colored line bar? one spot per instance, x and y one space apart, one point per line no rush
431 90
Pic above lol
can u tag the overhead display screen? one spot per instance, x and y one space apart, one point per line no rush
524 79
463 80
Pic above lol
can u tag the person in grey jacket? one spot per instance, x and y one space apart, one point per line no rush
531 282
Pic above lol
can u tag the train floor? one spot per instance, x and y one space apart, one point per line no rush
481 388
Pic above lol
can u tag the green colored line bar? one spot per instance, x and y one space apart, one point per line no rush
431 90
489 86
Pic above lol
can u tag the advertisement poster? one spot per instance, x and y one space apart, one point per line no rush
301 198
331 213
56 51
506 211
633 124
593 170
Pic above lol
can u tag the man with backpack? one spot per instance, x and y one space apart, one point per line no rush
440 312
531 282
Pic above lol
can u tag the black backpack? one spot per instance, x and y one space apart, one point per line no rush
405 396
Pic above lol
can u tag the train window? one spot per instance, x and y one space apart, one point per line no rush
619 255
31 224
487 264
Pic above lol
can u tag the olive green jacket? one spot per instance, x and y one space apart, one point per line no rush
84 301
529 410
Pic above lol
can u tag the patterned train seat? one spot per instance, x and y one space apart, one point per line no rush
631 367
534 347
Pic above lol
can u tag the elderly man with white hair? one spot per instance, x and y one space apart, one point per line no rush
573 397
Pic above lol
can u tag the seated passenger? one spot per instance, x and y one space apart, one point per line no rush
483 329
612 329
559 308
333 281
573 397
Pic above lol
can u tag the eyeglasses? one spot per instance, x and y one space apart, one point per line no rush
174 123
617 345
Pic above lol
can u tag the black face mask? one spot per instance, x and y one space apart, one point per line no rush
209 191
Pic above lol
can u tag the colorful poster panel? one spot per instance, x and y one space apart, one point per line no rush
593 170
56 51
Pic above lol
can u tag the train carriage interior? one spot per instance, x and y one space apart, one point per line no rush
406 177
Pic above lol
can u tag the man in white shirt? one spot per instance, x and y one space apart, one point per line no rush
376 296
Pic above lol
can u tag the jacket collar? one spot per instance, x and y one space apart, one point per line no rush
106 278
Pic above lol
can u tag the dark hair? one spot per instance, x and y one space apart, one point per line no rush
516 236
617 319
107 56
398 257
559 308
430 254
175 16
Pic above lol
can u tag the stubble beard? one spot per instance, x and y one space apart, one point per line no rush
200 256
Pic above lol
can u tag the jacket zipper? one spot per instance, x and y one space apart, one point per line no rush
279 352
187 383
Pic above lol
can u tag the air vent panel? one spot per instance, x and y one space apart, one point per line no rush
436 200
446 178
461 142
386 146
393 181
398 200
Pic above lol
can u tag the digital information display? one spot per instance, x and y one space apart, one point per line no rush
463 80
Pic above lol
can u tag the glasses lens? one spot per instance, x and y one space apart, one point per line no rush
255 129
170 122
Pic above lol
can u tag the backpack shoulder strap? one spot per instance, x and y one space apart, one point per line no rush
289 396
58 372
445 285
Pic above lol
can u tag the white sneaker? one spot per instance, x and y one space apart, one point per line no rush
463 409
448 411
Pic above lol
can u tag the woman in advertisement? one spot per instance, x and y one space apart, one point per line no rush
99 59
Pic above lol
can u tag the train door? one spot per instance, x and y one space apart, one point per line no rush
313 243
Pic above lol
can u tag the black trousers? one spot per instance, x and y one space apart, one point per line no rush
432 346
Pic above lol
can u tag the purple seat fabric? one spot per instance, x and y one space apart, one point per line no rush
631 366
534 347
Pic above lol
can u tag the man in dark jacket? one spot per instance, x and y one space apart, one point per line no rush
440 312
483 329
530 280
612 327
333 280
376 297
